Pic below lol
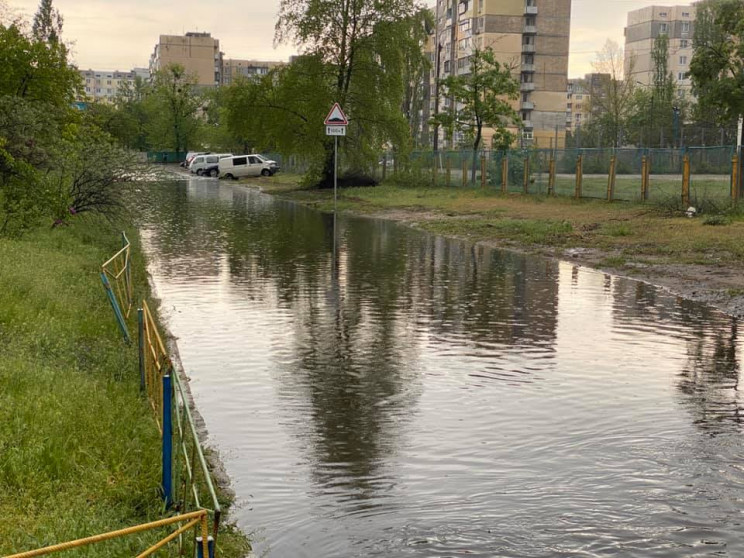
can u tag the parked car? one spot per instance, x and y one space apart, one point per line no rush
247 165
202 162
190 157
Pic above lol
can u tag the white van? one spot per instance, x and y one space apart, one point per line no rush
247 165
201 162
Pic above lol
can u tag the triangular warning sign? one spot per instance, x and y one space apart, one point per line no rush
336 117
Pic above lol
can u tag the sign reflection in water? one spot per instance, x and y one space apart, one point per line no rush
383 392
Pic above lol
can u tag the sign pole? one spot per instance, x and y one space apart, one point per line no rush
335 172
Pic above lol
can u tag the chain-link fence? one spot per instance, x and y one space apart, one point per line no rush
689 174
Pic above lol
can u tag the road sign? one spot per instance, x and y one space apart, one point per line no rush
336 118
335 130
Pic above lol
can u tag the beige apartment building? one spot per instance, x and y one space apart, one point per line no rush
578 104
644 26
198 53
103 85
532 36
233 69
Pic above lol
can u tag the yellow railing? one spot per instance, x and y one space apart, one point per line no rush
196 520
154 362
118 271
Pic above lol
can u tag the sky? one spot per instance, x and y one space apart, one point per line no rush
121 34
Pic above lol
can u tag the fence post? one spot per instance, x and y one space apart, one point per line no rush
611 179
449 171
686 181
551 175
115 305
483 170
579 176
141 324
464 170
735 179
384 167
526 175
505 173
167 478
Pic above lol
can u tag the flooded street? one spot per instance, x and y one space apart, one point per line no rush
379 391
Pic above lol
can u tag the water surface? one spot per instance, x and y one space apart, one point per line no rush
385 392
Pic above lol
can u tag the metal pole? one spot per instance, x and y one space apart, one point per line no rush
141 322
167 479
335 172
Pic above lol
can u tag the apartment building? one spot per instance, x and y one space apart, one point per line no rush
103 85
578 104
233 69
532 36
198 53
644 27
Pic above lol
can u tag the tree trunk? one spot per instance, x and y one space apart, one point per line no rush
476 145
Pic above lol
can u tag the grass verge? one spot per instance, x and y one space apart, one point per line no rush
79 449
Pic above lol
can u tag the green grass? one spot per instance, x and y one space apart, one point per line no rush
79 450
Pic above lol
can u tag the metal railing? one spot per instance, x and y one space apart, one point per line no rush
203 545
121 295
186 480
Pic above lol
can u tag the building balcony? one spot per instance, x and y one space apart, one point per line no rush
529 68
530 29
530 10
527 124
528 105
528 48
527 86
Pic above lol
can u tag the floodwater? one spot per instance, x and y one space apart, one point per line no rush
386 392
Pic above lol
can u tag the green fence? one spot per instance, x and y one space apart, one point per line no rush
165 157
613 174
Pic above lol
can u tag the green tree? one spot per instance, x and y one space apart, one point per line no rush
363 44
48 22
717 66
483 98
173 106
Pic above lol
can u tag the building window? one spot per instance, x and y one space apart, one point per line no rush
530 20
685 27
683 60
578 118
662 14
527 134
663 28
683 43
685 14
579 96
681 76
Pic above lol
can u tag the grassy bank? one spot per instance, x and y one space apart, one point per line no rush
625 233
79 449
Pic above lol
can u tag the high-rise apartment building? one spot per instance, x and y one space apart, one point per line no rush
198 53
103 85
233 69
644 27
578 104
531 36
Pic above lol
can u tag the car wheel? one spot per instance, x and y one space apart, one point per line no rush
213 173
265 172
199 172
229 176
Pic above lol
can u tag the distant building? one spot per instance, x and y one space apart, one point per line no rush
198 53
103 85
578 104
644 27
531 36
233 69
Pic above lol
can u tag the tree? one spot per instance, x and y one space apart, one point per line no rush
173 106
483 98
612 100
717 66
48 22
416 64
363 45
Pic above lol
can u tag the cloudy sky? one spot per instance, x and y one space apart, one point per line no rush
121 34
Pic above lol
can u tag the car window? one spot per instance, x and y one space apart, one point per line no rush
253 160
240 161
212 159
199 160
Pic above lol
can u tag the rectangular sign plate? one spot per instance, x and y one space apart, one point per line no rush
335 130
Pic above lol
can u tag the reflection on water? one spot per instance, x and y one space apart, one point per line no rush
376 391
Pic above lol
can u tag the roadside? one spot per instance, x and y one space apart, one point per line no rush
699 258
79 448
